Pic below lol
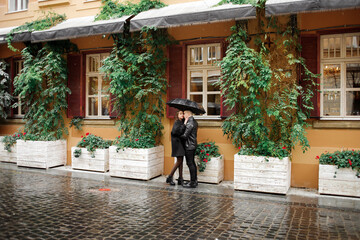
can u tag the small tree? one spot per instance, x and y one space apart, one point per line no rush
5 96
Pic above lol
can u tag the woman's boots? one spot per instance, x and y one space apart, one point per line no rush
170 180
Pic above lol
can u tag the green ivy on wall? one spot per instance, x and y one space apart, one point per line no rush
262 86
136 67
47 21
113 9
42 84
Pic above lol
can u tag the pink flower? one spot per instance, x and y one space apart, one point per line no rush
87 134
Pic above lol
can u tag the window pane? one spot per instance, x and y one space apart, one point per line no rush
332 47
213 54
213 77
93 106
105 106
197 98
213 104
353 103
326 48
93 64
331 76
196 81
93 85
348 46
337 47
331 103
196 56
353 75
105 86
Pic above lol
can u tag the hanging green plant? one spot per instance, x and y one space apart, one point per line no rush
76 122
114 9
136 67
269 120
5 96
42 84
46 21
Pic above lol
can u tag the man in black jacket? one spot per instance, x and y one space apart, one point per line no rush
190 137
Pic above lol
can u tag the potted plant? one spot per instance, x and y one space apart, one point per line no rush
339 173
210 164
5 96
42 84
91 153
138 84
270 107
8 147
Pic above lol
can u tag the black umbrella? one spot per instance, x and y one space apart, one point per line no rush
186 104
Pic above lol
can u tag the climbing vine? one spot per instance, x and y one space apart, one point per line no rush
5 97
42 84
261 84
113 9
136 67
46 21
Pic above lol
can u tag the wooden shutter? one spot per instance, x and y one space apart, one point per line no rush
76 100
176 73
310 52
224 110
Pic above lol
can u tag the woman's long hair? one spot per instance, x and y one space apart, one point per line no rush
177 116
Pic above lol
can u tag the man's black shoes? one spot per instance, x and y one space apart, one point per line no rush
191 184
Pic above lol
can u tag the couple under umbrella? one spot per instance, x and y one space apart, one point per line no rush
184 140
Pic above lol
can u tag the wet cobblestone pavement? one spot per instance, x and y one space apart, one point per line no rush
37 205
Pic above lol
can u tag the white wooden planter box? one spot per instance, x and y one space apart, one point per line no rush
41 154
6 156
254 173
346 182
213 173
136 163
99 163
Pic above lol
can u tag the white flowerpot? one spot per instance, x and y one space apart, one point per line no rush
136 163
213 173
6 156
41 154
342 181
262 174
99 163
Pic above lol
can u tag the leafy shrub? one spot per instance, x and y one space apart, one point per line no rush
91 143
342 159
205 151
77 122
5 97
141 141
9 141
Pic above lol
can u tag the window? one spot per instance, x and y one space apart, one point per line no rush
18 5
97 87
19 110
202 74
340 80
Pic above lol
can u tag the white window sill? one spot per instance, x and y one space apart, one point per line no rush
336 124
19 11
99 121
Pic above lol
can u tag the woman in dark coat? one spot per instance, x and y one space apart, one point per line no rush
177 146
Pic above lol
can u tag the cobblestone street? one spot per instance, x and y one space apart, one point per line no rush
36 204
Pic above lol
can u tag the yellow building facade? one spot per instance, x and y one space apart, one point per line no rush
328 132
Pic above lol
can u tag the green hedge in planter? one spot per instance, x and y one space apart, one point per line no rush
205 151
91 143
342 159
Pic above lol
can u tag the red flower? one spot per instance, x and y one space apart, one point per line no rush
350 162
317 157
283 147
24 133
84 140
137 139
330 157
18 135
14 135
202 151
353 149
87 134
118 136
204 160
82 136
207 154
239 148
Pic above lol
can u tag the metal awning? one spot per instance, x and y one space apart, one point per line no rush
190 13
207 11
79 27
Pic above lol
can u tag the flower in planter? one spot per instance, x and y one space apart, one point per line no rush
91 143
206 151
139 141
342 159
10 140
